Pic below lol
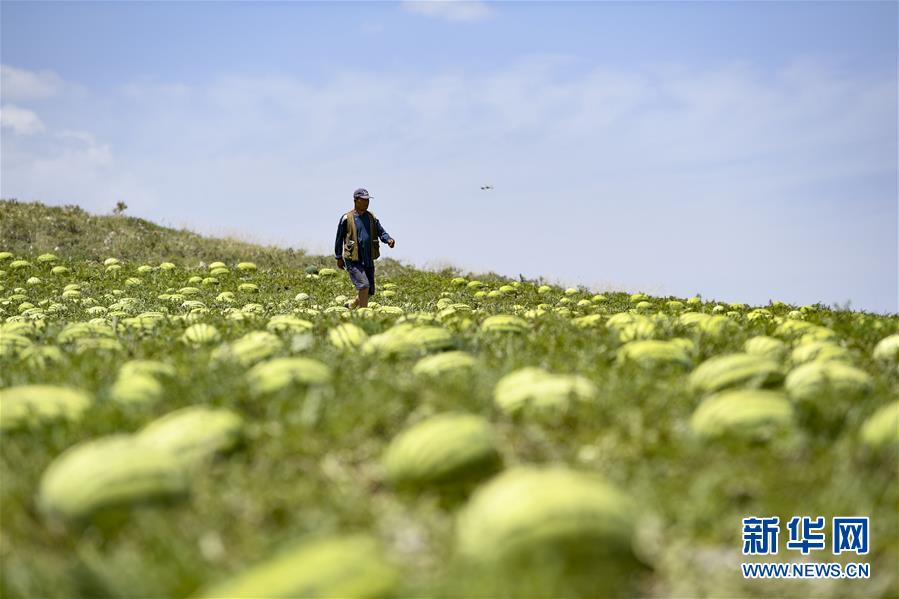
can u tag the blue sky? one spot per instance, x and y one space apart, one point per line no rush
745 151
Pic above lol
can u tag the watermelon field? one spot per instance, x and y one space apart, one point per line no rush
193 417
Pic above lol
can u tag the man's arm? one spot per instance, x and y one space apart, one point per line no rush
338 242
382 234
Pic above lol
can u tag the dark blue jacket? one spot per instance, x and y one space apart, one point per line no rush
363 228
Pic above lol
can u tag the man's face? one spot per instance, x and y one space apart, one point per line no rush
362 204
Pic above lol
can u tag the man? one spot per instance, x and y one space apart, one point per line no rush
356 247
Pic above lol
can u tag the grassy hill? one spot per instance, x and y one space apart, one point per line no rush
34 228
172 427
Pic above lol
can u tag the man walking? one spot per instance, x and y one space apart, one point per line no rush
356 247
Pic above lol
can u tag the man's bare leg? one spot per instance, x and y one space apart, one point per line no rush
362 300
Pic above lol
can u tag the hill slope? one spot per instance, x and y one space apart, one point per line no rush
31 228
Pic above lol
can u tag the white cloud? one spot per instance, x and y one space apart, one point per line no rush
18 85
449 10
20 120
68 167
83 148
372 27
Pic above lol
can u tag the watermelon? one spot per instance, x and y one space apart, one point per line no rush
742 413
443 450
348 567
106 473
734 370
26 406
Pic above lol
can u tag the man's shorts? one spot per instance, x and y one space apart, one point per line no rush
361 276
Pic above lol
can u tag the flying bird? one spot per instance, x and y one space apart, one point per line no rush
483 187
